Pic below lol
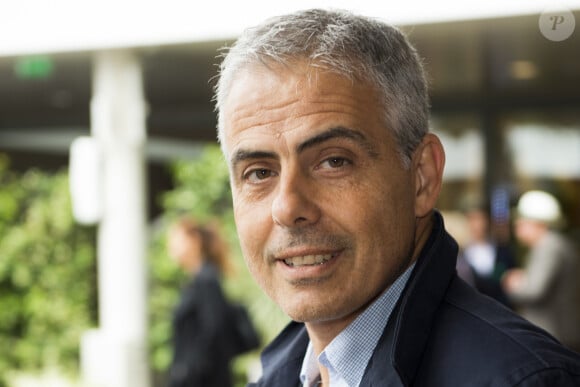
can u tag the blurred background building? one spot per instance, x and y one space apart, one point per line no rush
138 78
505 98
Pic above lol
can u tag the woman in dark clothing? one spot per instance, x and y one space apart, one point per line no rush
201 348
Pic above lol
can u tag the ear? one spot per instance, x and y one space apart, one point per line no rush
428 163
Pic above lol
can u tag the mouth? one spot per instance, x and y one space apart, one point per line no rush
308 260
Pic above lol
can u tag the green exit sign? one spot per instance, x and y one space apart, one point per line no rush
34 67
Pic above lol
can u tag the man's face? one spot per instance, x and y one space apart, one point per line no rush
529 231
323 205
477 223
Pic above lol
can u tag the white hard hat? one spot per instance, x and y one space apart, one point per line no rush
540 206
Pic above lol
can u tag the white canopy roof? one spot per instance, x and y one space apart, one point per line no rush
39 26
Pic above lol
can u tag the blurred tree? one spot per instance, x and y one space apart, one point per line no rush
202 190
48 294
47 273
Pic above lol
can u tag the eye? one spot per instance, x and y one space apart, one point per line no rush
257 175
334 162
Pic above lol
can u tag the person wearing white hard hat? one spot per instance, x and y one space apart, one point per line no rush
546 290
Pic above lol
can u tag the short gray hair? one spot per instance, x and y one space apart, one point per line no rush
357 47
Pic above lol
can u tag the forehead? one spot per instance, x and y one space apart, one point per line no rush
279 100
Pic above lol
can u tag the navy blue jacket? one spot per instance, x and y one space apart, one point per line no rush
200 350
442 333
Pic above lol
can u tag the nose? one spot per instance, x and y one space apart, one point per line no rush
295 202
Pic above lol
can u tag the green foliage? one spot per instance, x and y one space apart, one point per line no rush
47 273
202 189
48 290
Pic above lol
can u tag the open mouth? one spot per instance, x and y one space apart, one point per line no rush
308 260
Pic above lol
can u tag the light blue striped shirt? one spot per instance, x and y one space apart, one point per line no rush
347 356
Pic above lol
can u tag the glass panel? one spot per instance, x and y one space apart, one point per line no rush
544 148
465 158
544 151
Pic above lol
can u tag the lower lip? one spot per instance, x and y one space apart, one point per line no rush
308 272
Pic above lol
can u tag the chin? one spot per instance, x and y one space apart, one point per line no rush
313 314
302 313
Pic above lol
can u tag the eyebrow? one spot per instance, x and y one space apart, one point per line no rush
339 132
242 155
330 134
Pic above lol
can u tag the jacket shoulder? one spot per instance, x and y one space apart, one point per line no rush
282 358
477 340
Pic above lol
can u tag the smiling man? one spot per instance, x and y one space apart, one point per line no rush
323 119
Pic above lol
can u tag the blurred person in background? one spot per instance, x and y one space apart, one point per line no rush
483 260
201 349
323 120
546 291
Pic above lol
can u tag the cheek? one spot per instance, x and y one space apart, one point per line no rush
253 225
386 214
387 197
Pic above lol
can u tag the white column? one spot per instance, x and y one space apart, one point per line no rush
115 354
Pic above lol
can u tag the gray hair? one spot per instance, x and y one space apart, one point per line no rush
357 47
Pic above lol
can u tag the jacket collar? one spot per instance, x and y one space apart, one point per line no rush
406 335
282 359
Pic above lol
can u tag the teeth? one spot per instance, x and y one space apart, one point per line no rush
307 260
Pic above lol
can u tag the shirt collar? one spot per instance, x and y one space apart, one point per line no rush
309 372
348 354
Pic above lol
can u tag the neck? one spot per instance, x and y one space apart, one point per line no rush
324 378
193 266
321 333
423 228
